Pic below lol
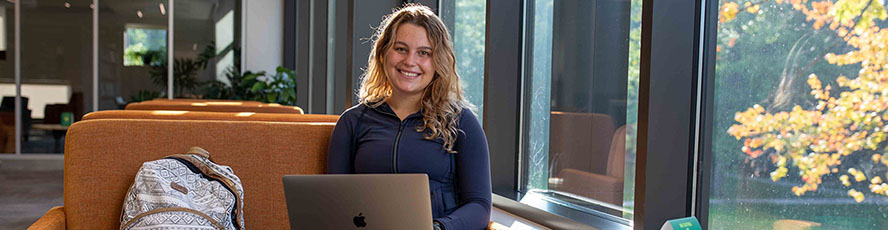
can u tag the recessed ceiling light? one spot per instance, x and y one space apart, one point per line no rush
163 11
67 5
139 13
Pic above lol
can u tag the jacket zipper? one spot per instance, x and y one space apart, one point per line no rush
395 149
397 140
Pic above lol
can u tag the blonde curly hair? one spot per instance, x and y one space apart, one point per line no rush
442 100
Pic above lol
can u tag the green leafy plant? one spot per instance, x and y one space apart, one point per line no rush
278 88
254 86
184 71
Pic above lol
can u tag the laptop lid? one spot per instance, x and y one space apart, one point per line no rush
358 201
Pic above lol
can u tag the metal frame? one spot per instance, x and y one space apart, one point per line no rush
317 57
18 77
170 50
708 32
95 56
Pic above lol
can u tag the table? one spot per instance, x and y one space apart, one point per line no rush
57 130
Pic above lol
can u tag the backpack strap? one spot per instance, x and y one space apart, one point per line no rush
354 144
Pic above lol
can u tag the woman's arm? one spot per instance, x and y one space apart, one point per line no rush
472 177
339 151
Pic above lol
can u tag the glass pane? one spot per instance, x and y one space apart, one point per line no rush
206 45
583 104
7 77
132 51
799 132
56 71
468 42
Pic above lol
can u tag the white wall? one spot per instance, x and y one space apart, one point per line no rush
264 35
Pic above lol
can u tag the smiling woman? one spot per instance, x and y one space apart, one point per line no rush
411 96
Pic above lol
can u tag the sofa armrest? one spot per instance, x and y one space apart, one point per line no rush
54 219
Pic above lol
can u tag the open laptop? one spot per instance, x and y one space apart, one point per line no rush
358 201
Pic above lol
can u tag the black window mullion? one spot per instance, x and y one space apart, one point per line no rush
502 93
667 112
317 61
303 32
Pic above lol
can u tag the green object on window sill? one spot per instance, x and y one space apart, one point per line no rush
687 223
67 118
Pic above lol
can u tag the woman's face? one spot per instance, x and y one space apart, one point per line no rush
408 63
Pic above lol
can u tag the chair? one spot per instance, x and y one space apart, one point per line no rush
579 141
52 113
606 187
7 115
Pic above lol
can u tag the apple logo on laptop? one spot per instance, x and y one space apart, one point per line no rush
359 220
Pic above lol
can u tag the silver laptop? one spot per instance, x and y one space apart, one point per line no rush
358 201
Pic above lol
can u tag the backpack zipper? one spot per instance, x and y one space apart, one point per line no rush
132 221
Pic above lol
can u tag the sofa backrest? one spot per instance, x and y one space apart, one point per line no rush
200 115
215 107
189 100
102 157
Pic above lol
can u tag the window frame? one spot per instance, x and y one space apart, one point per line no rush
709 24
665 182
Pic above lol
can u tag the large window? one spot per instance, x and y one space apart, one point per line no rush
468 42
799 135
582 105
144 45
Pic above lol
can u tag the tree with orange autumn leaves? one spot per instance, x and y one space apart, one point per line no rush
846 122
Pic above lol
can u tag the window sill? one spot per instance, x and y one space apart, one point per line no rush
554 215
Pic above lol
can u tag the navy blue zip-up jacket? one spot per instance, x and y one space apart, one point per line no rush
385 144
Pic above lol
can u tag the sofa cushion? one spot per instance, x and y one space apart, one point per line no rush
102 157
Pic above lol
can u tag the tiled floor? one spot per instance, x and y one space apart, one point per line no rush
26 195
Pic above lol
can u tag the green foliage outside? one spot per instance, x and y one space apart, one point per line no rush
777 60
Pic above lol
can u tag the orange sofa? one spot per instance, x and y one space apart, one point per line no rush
103 154
200 115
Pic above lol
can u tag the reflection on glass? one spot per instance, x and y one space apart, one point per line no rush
583 105
799 131
132 51
205 47
56 71
468 41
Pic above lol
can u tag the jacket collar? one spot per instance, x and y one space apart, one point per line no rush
386 109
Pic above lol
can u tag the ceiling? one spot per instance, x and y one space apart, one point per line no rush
185 9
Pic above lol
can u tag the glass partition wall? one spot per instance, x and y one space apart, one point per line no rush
7 77
57 61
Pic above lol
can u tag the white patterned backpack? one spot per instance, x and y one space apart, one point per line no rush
184 191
